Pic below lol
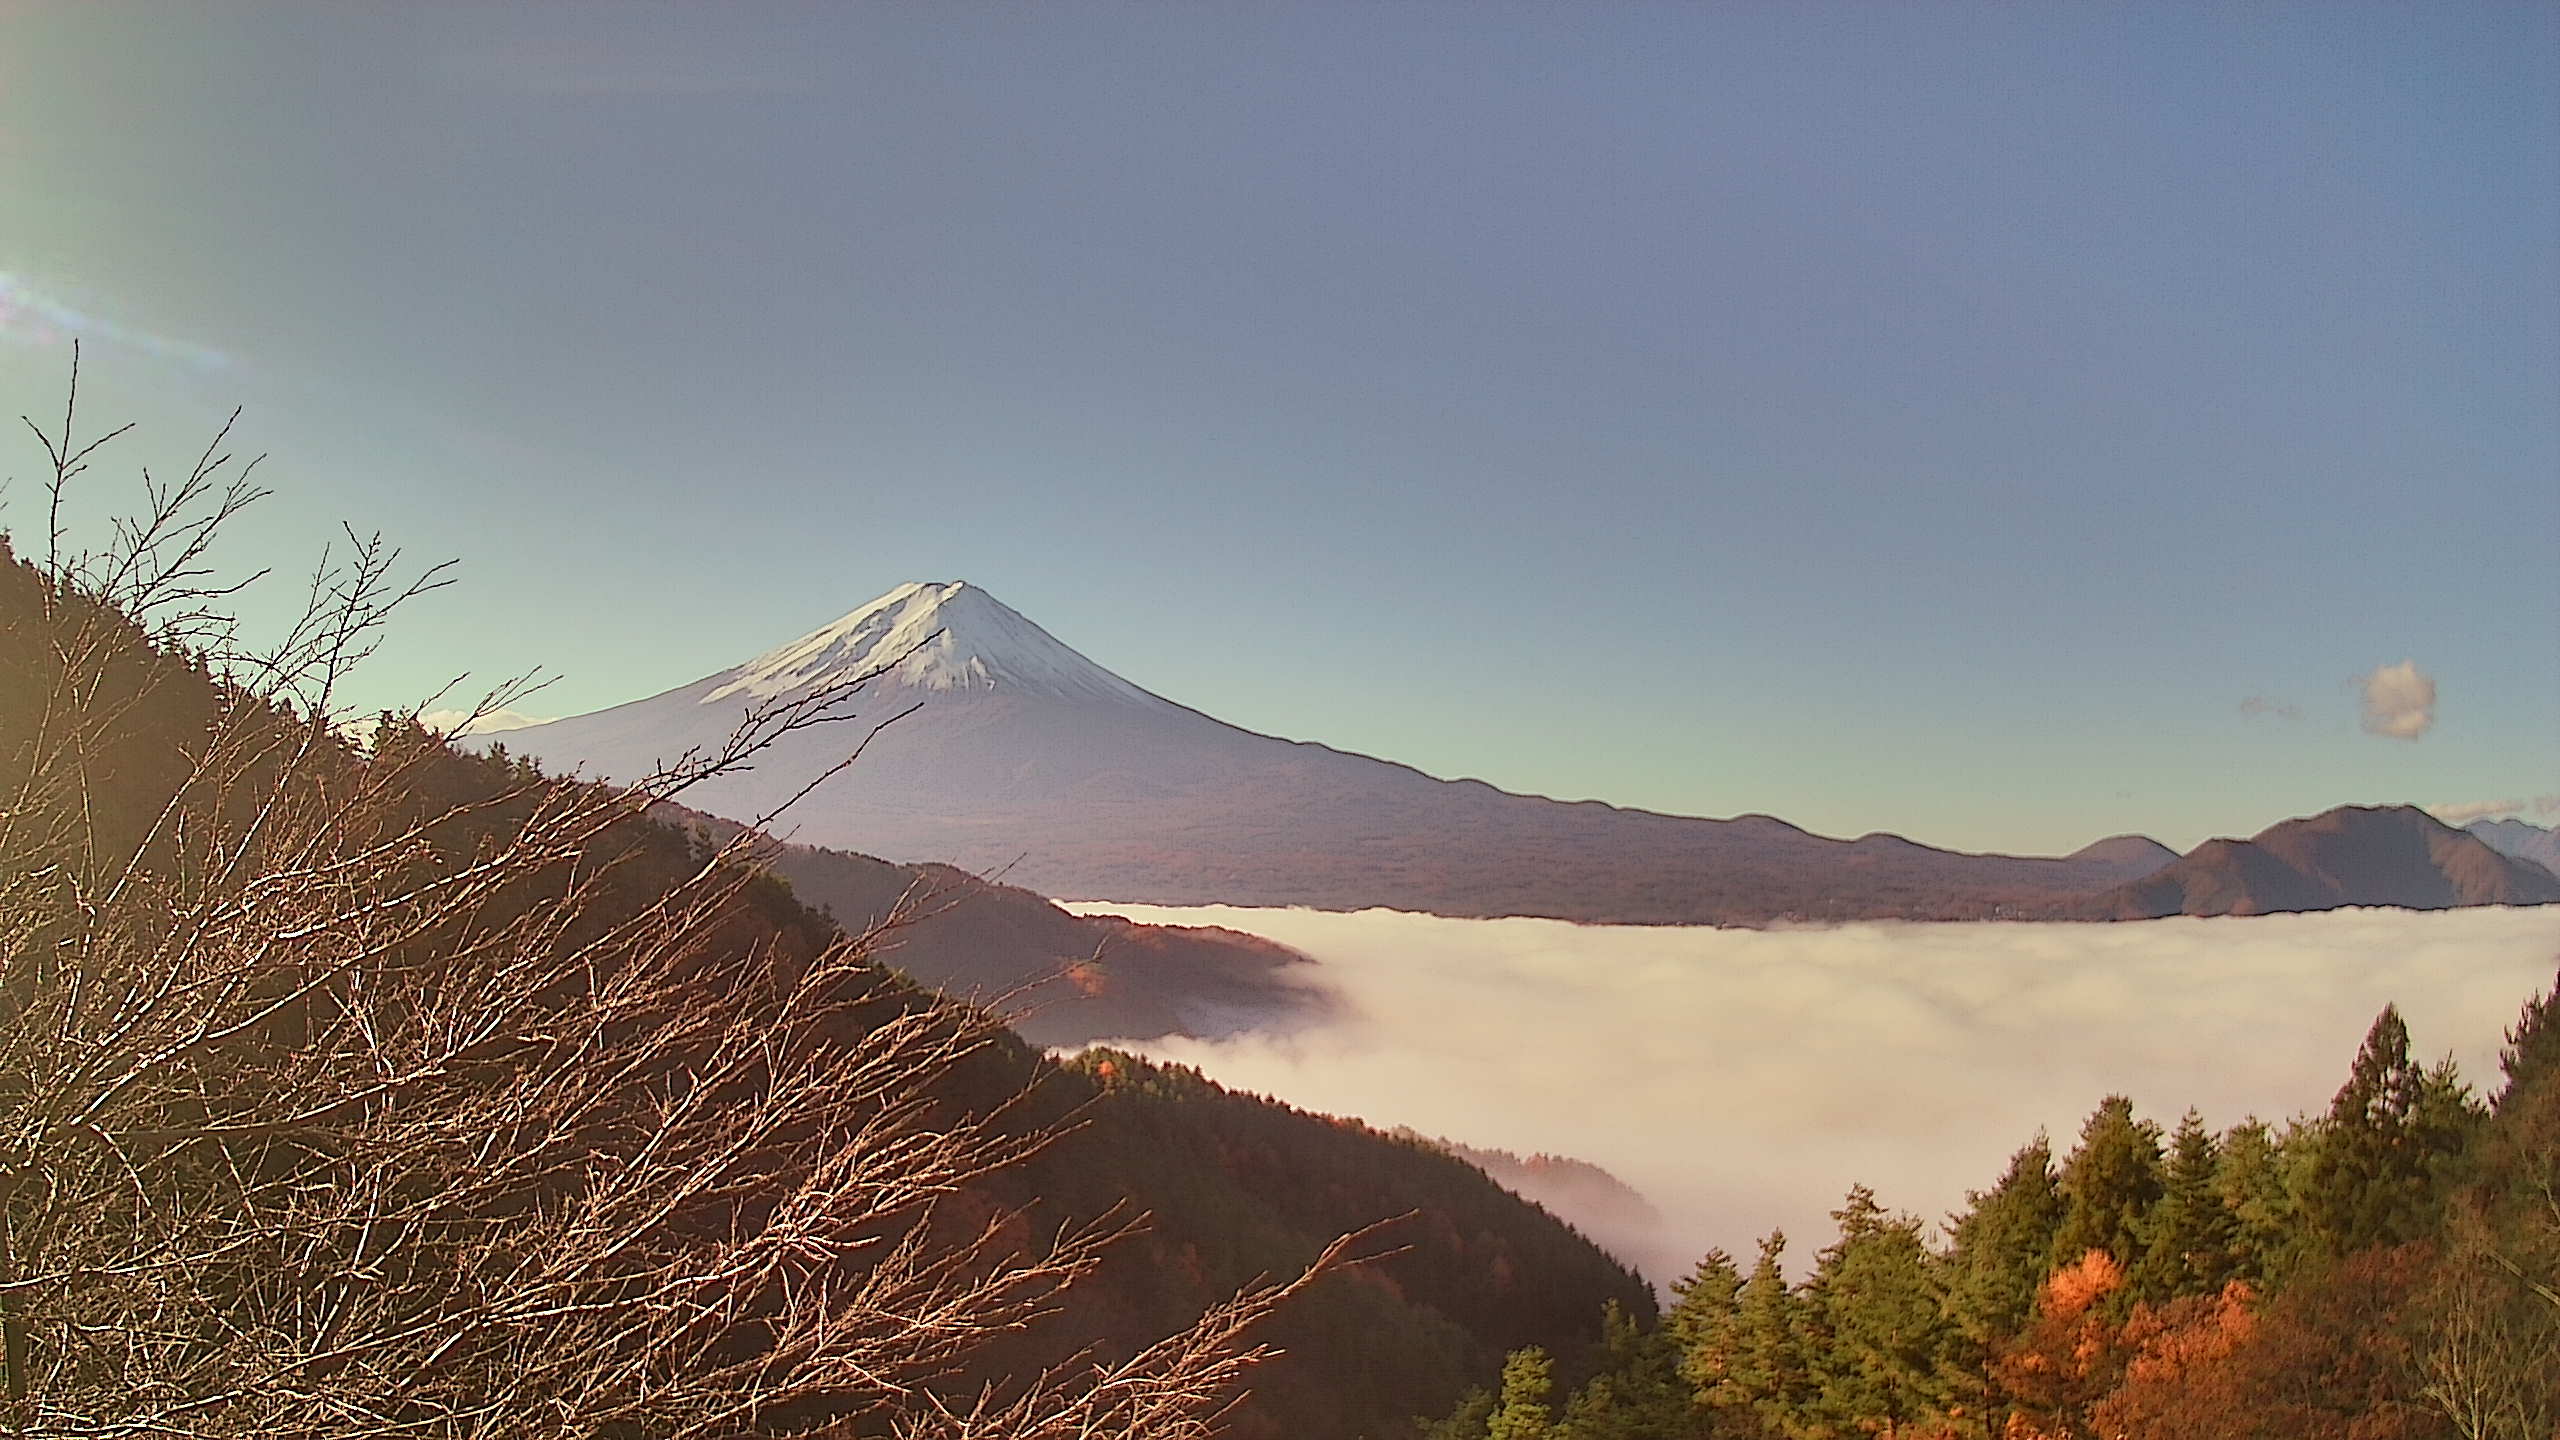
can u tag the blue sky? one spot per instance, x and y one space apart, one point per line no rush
1940 419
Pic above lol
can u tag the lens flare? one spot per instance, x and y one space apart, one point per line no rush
33 318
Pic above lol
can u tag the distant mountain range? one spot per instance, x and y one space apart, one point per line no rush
2522 840
2353 855
1024 758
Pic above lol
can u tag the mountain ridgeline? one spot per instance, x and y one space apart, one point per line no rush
1024 757
2522 839
2353 855
254 1206
1063 979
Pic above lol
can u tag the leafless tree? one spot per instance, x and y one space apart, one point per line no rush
2490 1357
2491 1362
327 1108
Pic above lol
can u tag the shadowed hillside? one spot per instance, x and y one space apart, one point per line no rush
1066 979
459 1047
1598 1203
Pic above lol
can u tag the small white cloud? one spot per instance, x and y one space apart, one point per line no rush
2258 705
461 722
2546 804
2463 813
2399 701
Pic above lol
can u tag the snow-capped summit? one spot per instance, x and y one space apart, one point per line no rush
931 636
1024 757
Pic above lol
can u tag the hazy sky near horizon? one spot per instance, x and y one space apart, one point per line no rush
2000 425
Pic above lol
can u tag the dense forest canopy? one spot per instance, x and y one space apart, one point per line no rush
2388 1269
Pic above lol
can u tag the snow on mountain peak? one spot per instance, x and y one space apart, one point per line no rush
933 636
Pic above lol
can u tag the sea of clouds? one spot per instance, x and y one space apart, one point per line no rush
1742 1079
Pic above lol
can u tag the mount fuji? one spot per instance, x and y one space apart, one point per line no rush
1026 759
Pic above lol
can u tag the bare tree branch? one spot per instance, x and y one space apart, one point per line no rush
373 1091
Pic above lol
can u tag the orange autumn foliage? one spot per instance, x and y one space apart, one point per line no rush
2071 1290
2186 1375
2070 1357
2170 1343
2327 1359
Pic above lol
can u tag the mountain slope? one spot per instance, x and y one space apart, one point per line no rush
2522 840
2353 855
1070 979
2136 854
1026 758
1234 1186
1609 1210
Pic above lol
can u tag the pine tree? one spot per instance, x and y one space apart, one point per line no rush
2383 1152
1762 1374
2533 1046
1528 1378
2446 1120
1704 1322
1467 1422
2255 1175
2193 1235
2003 1247
1882 1310
2109 1185
1637 1393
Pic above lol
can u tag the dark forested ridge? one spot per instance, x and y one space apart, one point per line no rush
108 751
2386 1270
1064 979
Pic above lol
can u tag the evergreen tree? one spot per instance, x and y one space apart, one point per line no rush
2255 1177
2193 1239
2447 1119
2109 1185
1704 1322
1637 1393
1761 1374
1996 1264
1528 1379
1882 1310
2533 1046
1467 1422
2003 1247
2385 1146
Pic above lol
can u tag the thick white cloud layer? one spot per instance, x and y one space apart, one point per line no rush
1742 1079
2399 701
